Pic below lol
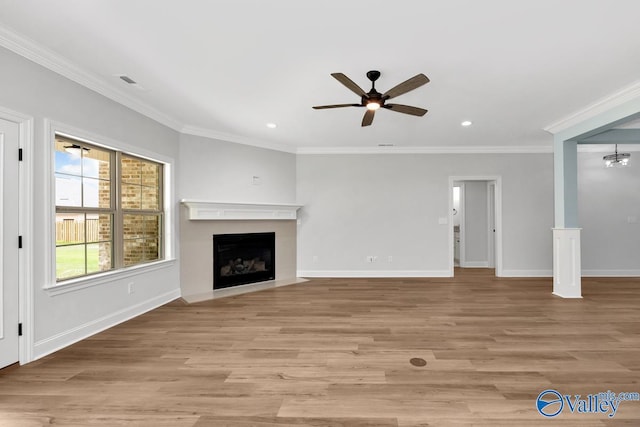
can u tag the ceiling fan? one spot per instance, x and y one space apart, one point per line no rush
374 100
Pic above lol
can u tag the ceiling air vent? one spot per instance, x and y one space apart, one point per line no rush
128 80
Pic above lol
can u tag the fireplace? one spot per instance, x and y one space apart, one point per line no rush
239 259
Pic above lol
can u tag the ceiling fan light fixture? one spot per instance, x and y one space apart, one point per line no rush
373 105
374 100
616 160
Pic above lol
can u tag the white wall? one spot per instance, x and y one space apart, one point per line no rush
389 205
476 221
608 203
221 171
60 319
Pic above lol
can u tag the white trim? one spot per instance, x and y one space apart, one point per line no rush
462 232
74 285
25 229
209 133
610 273
498 220
606 148
547 149
491 219
373 273
66 338
50 60
52 127
567 270
203 210
603 105
527 273
60 65
475 264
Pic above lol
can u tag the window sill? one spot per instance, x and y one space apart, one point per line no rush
73 285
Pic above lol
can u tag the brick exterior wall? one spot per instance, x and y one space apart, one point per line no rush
140 191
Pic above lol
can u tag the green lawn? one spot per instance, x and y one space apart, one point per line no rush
70 260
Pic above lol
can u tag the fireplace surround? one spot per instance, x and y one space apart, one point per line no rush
200 219
243 258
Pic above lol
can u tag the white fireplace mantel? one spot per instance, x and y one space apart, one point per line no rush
204 210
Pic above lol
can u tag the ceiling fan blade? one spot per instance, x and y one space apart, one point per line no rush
406 109
368 117
322 107
404 87
349 83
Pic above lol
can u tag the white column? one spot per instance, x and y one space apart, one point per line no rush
567 272
566 263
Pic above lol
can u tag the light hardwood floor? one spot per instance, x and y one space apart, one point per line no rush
336 353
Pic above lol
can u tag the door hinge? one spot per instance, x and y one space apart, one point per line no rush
19 329
19 242
20 154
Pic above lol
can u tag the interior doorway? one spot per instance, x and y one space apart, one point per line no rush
475 219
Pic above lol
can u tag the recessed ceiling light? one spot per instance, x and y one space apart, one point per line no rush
466 123
272 125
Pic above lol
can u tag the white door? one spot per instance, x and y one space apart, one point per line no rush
491 203
9 346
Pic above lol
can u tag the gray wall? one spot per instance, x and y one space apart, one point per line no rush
221 171
389 205
475 224
608 204
64 318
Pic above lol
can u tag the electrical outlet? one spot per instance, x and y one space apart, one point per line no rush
389 258
130 288
315 258
372 258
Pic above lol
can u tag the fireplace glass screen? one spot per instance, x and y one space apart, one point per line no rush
239 259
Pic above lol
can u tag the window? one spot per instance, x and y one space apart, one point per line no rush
109 211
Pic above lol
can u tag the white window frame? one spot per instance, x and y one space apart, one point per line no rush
55 287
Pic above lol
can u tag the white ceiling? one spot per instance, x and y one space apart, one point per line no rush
225 68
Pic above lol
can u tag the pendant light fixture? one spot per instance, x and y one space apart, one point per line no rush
616 159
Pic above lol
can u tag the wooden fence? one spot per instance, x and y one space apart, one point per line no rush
69 230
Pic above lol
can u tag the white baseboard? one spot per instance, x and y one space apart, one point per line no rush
527 273
373 273
475 264
66 338
610 273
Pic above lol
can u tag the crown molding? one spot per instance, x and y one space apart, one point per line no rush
427 150
208 133
606 147
30 50
624 95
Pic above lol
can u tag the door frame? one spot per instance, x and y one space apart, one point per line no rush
498 218
491 217
25 229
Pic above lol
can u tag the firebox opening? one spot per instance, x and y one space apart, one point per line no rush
239 259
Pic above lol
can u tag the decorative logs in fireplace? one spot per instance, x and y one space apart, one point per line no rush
239 259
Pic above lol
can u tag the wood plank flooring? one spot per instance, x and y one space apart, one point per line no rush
336 352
